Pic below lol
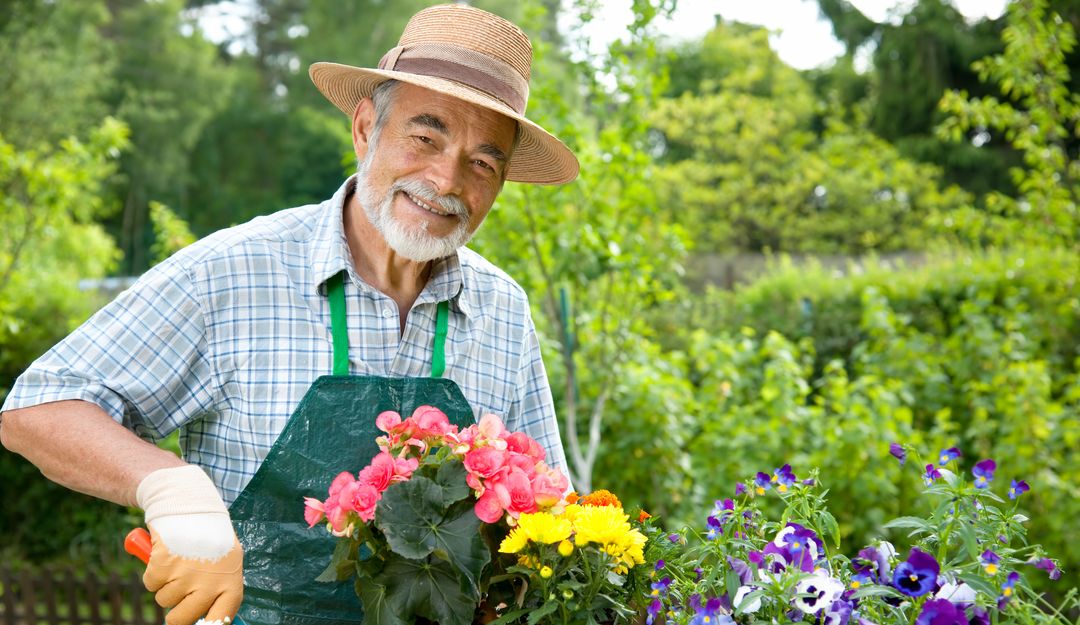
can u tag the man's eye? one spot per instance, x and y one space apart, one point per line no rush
424 139
483 164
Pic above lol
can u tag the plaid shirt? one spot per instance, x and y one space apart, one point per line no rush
225 337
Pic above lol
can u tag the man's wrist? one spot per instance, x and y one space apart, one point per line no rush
178 490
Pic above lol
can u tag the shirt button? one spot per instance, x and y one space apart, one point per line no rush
386 312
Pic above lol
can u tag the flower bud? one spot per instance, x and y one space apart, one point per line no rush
546 572
566 548
568 594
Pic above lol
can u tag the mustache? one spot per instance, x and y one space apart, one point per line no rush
448 203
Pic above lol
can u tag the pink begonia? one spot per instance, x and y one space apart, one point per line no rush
314 512
515 493
521 443
487 508
548 486
364 499
432 422
387 421
526 464
491 427
485 462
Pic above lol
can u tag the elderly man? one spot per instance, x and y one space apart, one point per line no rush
273 345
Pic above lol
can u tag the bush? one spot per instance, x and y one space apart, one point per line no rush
978 352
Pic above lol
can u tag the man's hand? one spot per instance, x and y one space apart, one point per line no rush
196 562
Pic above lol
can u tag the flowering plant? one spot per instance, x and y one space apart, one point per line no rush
417 526
574 566
966 564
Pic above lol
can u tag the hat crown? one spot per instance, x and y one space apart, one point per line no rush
474 29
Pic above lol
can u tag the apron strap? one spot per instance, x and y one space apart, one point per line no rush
339 328
438 352
335 288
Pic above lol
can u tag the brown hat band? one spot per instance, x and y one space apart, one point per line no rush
468 67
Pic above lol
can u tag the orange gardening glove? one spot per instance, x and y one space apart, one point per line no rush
196 563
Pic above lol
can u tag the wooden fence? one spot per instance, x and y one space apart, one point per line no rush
63 597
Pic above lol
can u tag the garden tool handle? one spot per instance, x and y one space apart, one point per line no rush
137 543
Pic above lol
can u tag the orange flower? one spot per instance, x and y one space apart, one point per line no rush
642 516
572 497
601 498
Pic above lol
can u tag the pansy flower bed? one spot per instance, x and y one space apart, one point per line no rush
965 563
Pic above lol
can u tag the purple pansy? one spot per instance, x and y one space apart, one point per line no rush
659 564
709 613
740 489
742 569
917 575
978 616
941 612
948 455
989 560
875 562
931 474
654 610
1047 565
983 472
761 482
1018 488
839 613
794 546
756 557
897 450
784 478
1007 589
660 588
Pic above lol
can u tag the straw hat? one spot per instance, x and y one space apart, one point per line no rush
471 55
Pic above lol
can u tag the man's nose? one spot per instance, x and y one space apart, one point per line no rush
446 173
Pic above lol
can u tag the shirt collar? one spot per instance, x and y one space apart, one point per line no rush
330 255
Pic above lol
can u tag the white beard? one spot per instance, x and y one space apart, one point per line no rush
414 243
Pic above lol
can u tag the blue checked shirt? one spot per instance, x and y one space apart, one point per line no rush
224 338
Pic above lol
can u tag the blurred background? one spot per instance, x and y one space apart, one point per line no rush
788 246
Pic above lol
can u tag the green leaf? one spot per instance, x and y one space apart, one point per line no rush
411 516
342 563
409 588
877 591
909 522
828 524
451 478
545 608
979 584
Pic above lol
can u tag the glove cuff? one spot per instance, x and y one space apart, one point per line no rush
178 490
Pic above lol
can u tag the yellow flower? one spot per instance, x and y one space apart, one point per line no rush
566 548
514 542
603 525
546 572
544 527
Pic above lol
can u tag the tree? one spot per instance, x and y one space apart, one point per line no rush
596 255
169 83
756 162
1040 117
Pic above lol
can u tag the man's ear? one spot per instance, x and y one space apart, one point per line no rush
363 122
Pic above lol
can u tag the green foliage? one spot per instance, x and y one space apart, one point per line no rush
170 232
57 70
756 165
976 351
1039 117
598 253
49 201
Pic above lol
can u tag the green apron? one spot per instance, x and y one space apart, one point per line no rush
332 430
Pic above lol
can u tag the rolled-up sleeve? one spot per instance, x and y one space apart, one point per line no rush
142 358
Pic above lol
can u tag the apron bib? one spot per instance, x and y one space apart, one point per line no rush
332 430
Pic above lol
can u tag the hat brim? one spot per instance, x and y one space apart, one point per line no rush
540 158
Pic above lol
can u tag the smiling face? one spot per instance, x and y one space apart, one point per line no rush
429 178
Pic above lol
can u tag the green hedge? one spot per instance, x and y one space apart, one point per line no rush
978 352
